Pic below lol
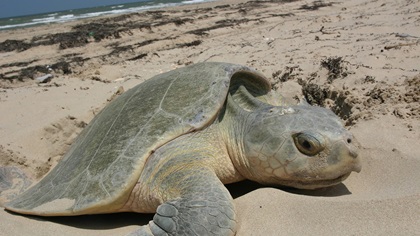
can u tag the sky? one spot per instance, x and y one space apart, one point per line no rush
10 8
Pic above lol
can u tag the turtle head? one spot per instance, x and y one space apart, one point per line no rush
298 146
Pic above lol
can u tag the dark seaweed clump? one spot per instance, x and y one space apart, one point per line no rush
79 36
315 6
314 94
335 68
317 95
62 67
11 45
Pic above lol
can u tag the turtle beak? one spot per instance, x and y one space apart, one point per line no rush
357 167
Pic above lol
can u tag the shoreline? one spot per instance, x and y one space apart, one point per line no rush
358 58
64 16
211 3
84 32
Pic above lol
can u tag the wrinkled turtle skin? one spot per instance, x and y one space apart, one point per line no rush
169 144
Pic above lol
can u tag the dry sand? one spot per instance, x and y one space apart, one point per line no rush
370 76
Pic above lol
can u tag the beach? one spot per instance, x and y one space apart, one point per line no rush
359 58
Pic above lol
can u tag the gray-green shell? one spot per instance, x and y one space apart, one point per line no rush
103 165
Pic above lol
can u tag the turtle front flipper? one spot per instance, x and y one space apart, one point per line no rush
204 207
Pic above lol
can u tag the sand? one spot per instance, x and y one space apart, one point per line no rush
361 58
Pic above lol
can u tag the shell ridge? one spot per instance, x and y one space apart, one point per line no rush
109 129
68 154
148 121
87 172
77 202
166 92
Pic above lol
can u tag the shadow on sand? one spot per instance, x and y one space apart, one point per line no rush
118 220
244 187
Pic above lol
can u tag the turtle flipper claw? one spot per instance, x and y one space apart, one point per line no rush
163 221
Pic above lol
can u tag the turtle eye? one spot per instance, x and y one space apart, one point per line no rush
307 144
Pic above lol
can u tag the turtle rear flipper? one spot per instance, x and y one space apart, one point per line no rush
13 181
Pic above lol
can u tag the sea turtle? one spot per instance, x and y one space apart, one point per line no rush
169 144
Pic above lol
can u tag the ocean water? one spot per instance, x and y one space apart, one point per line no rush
69 15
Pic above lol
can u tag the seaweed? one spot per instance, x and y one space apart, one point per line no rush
314 94
146 42
193 43
62 66
176 21
219 24
120 49
334 67
317 95
18 64
315 6
10 45
137 57
79 35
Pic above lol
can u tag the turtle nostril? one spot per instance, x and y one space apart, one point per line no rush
349 140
